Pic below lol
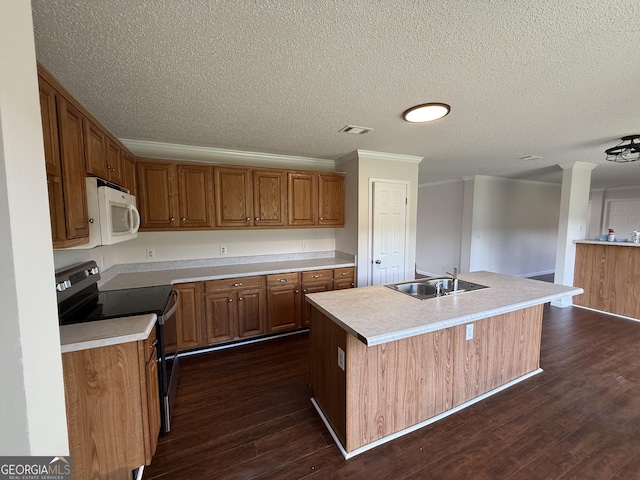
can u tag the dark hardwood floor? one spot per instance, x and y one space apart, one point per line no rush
245 413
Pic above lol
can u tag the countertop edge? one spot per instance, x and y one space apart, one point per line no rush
625 243
104 333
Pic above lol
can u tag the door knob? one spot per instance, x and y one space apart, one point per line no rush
378 262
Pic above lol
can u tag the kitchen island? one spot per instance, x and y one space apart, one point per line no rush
384 364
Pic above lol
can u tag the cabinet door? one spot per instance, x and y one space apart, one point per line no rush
331 200
190 322
283 304
128 167
195 187
73 170
151 390
233 197
114 162
269 198
157 196
49 127
95 146
221 316
56 208
302 195
251 312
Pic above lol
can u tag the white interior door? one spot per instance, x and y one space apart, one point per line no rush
388 232
623 216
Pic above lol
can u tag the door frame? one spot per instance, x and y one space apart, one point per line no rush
407 267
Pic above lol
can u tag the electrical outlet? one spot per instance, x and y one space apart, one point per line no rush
341 359
223 249
305 245
151 253
469 335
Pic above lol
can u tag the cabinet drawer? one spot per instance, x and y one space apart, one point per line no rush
233 283
317 275
339 273
282 278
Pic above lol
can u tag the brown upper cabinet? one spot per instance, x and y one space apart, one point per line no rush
233 197
75 146
316 199
174 196
128 171
250 197
62 126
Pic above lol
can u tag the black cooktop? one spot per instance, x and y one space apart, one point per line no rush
92 305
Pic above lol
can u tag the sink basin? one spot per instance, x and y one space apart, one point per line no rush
428 287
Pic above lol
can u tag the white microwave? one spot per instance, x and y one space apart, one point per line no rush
113 216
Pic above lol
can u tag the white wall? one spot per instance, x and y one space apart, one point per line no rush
365 165
439 227
203 244
515 226
488 223
32 413
598 199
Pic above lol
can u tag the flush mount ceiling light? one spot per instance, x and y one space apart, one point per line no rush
427 112
628 150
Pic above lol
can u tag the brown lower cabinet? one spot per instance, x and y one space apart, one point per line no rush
234 308
313 282
283 300
191 328
218 311
113 412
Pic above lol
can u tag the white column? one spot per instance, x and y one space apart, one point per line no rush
32 409
574 211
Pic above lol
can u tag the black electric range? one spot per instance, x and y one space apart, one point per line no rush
80 300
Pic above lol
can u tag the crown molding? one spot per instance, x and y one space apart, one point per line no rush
394 157
173 151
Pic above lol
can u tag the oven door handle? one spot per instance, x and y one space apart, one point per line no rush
167 315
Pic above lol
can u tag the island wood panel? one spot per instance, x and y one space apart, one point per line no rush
393 386
503 348
328 380
609 275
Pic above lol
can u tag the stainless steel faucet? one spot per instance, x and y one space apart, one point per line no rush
454 278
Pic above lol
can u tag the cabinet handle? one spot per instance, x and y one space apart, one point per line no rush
321 219
172 219
184 219
343 274
256 219
316 276
283 280
247 219
240 299
235 284
230 300
305 290
297 291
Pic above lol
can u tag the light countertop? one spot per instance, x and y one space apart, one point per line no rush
198 274
618 243
378 314
82 336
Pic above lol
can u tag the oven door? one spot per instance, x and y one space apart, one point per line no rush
168 371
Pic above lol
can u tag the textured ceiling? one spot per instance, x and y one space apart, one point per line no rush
557 79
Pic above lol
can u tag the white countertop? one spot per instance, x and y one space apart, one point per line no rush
81 336
617 243
197 274
379 314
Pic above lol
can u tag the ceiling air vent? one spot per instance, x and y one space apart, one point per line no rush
530 157
355 130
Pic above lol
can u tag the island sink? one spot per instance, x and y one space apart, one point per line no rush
434 287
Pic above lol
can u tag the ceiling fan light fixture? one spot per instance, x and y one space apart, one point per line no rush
628 150
427 112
